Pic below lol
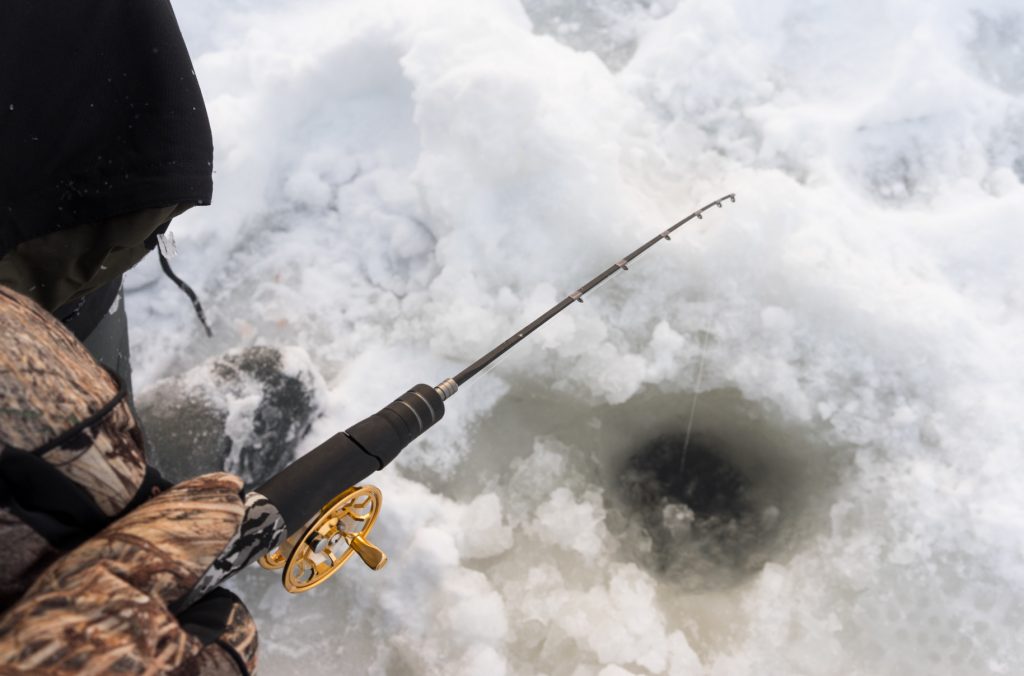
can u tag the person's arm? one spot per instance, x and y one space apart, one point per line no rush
101 558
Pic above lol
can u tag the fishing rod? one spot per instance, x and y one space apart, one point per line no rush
326 527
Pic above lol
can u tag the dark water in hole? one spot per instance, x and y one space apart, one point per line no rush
703 526
702 479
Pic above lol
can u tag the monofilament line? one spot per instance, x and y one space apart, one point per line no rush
696 392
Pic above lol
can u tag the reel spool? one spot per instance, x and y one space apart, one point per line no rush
312 555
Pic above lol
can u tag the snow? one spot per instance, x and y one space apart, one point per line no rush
400 185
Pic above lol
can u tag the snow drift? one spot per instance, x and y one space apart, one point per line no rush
401 184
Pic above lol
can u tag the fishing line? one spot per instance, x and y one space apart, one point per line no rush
696 390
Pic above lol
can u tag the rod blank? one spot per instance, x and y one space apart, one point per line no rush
577 296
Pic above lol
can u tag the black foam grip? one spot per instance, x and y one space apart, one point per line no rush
303 487
385 434
306 485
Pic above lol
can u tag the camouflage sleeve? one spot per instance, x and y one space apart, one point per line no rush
50 384
99 576
71 453
105 607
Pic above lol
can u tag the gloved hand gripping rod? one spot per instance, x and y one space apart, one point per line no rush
309 486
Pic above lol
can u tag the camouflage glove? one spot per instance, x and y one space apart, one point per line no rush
97 576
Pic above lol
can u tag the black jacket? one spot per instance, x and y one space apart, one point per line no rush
100 114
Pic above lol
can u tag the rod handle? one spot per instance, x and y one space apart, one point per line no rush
302 488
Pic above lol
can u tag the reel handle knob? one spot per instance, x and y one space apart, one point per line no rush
371 554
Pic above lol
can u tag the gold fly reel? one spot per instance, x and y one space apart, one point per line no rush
312 555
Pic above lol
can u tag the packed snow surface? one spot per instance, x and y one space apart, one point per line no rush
401 184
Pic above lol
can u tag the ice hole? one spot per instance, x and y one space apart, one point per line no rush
754 486
695 511
709 512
